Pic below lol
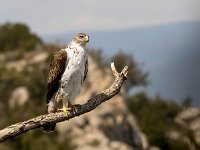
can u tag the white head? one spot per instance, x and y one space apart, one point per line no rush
81 39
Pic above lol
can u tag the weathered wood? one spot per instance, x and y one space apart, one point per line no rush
37 122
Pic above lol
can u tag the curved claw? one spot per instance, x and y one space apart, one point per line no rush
65 109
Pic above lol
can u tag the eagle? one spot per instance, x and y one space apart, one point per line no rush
68 70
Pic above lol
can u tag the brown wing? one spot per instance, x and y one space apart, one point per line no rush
57 68
86 70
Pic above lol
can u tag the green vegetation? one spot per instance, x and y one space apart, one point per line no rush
156 118
17 37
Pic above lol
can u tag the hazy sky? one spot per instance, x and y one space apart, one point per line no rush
50 16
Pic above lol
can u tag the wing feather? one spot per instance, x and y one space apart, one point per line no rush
86 70
57 68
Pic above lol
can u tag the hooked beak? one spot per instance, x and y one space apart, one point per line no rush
87 38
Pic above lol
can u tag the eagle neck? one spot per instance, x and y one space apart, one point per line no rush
73 48
74 44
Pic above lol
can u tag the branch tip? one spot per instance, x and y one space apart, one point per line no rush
125 71
114 71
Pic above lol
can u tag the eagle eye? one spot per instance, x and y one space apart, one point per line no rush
81 36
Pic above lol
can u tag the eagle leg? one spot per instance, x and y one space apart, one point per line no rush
70 108
58 97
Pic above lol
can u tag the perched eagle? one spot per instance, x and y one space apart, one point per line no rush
68 70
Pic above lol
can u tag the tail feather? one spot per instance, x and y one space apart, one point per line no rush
51 107
49 127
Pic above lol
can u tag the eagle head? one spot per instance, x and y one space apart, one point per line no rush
81 38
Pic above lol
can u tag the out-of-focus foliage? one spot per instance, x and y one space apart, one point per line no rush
33 77
156 118
17 36
187 102
135 75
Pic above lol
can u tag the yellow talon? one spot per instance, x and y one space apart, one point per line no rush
65 109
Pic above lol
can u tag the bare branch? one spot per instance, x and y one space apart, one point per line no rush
37 122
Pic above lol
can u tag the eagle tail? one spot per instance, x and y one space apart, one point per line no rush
49 127
50 109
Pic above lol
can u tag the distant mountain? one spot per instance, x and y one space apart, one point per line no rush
170 53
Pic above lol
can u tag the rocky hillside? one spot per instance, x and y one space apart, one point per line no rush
190 119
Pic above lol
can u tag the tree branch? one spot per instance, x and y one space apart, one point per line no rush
37 122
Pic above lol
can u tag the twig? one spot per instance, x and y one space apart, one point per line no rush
37 122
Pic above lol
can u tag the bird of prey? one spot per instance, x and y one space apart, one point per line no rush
68 70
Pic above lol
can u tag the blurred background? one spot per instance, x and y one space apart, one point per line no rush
158 107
